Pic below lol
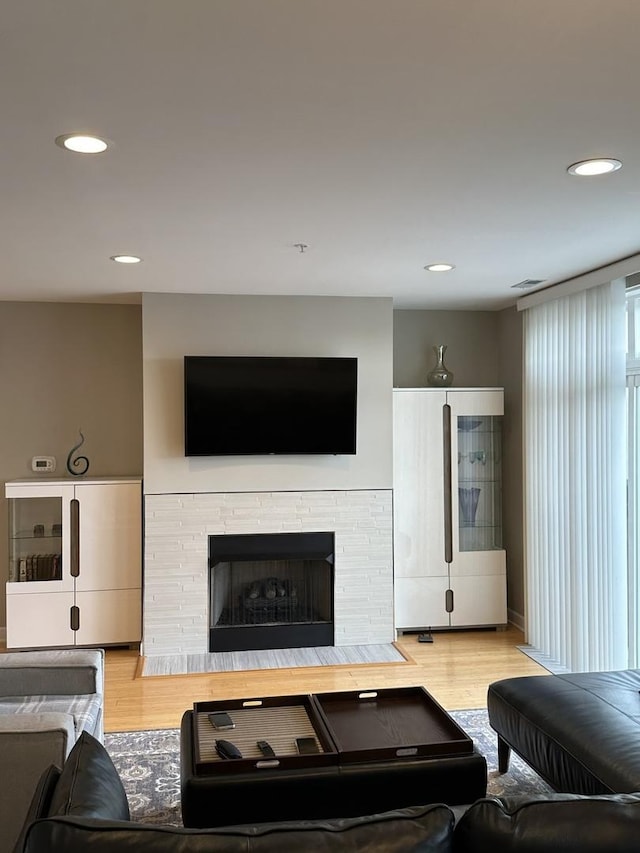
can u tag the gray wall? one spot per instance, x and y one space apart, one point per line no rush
470 337
65 367
179 325
510 344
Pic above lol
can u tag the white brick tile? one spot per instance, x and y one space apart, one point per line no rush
176 554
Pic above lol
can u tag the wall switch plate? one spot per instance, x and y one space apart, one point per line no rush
43 463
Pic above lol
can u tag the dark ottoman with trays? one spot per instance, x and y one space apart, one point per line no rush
376 751
579 731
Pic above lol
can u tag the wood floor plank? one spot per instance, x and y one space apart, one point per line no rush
456 669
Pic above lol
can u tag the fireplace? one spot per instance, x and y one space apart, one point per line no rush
271 591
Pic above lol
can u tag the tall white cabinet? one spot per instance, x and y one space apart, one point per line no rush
449 563
75 562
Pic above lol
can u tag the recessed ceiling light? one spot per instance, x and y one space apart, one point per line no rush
126 259
81 143
439 267
600 166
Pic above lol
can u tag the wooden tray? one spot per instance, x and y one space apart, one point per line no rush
391 723
278 720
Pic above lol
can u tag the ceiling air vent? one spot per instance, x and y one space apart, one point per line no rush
528 282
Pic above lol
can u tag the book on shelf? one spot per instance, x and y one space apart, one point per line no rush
38 567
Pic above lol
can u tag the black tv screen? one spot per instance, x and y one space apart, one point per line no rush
247 405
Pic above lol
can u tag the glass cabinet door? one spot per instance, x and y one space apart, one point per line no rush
35 539
479 441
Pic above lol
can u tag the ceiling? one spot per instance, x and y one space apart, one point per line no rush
382 134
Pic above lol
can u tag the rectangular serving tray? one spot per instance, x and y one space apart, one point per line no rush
278 720
394 723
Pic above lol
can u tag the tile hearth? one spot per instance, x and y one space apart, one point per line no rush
275 659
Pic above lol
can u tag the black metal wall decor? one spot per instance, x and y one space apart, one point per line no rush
79 465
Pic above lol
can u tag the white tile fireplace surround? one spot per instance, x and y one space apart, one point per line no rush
177 530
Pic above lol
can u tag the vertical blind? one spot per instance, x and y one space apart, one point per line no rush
633 497
575 479
633 471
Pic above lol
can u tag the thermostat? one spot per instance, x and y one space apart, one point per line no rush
43 463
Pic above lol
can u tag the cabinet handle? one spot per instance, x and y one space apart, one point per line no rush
448 523
448 601
74 618
75 538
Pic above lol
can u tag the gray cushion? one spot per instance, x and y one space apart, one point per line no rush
29 743
85 709
49 672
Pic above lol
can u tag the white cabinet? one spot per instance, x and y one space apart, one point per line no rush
75 562
449 563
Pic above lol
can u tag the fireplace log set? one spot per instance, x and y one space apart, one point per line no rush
267 601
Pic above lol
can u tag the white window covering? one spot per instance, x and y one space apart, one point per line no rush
575 480
633 466
633 494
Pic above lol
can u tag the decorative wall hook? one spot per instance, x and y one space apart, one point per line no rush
80 463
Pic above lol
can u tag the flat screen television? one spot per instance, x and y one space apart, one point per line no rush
248 405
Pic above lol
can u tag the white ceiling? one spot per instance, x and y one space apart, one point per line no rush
384 134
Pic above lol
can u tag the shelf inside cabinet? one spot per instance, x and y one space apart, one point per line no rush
28 535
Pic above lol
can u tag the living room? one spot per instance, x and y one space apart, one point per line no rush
456 669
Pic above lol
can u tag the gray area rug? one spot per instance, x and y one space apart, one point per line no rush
271 659
149 765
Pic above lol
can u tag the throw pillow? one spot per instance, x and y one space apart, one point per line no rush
89 785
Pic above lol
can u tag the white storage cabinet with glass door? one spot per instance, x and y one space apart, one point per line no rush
75 562
449 562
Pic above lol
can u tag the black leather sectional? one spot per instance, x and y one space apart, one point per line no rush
83 807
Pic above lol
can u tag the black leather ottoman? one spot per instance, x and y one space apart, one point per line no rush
579 731
323 792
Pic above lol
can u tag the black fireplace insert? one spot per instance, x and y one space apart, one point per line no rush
271 591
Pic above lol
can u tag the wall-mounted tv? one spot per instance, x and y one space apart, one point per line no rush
248 405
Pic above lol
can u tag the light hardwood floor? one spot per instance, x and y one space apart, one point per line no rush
456 669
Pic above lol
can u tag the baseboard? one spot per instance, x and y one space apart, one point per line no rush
516 619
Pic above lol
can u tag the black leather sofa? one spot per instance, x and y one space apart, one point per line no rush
83 809
579 731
